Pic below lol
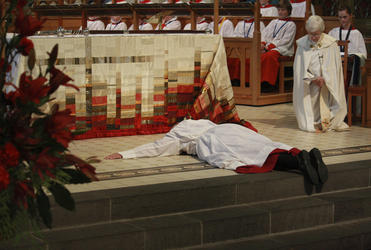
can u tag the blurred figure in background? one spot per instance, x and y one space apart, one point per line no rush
116 24
94 23
225 27
201 24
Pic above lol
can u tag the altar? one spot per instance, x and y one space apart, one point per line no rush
140 84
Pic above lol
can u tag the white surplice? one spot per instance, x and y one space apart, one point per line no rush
225 26
299 8
143 26
117 26
281 33
356 44
246 29
95 25
224 146
202 25
312 60
269 10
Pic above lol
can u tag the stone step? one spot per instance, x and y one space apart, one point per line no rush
177 197
207 226
351 235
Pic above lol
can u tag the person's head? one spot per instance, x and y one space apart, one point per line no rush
345 16
115 19
315 27
284 9
264 2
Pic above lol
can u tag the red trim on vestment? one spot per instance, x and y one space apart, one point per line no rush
271 46
250 20
269 163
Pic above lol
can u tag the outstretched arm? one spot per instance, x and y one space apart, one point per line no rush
163 147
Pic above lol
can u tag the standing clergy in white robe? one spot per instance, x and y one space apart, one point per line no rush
94 23
116 24
299 8
225 27
201 24
231 146
356 47
267 9
142 25
169 23
245 28
319 99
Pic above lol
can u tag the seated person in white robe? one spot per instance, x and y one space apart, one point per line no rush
299 8
169 23
318 98
356 47
231 146
115 2
94 23
142 25
245 28
225 27
116 24
277 40
201 24
267 9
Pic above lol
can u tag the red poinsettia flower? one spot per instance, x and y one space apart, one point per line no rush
44 162
25 46
4 177
21 190
26 25
58 78
9 155
58 126
31 89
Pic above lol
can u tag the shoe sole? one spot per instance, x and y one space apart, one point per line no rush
320 165
311 171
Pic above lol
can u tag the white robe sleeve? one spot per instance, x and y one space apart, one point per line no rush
163 147
238 31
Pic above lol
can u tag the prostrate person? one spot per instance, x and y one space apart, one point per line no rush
245 28
267 9
356 47
94 23
318 98
142 25
299 8
201 24
231 146
116 24
169 23
225 27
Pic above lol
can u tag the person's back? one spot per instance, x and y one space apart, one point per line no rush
299 8
225 27
267 9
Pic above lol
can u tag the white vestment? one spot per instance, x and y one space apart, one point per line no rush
313 60
95 25
172 24
281 33
246 29
356 44
202 25
298 9
225 26
143 26
268 10
117 26
225 146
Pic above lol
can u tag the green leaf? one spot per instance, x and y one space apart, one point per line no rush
62 196
76 176
44 208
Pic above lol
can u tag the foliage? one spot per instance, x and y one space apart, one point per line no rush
34 159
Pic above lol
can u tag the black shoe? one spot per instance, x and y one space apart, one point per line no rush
319 165
306 166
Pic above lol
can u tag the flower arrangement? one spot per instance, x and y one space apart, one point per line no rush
34 159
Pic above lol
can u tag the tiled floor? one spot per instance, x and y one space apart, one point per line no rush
276 122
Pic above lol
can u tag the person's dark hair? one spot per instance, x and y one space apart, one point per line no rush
285 4
346 8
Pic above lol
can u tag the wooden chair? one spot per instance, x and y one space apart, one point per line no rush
285 61
354 90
